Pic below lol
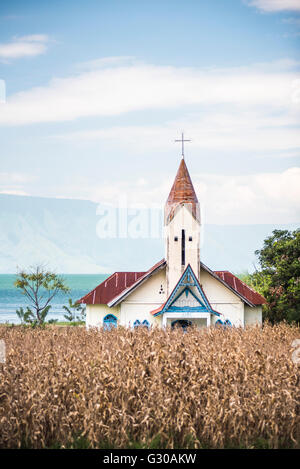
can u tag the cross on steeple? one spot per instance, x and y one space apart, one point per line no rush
182 140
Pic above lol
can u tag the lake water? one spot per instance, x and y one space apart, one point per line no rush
11 298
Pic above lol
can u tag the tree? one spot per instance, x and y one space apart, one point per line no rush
28 317
40 286
75 311
278 279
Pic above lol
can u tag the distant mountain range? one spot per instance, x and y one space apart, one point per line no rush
62 234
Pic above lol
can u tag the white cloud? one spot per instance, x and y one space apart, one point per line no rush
294 21
33 38
267 197
257 112
107 62
15 178
258 198
275 5
113 91
237 130
224 199
2 91
13 183
26 46
13 192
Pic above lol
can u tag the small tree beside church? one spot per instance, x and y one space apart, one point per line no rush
39 286
75 312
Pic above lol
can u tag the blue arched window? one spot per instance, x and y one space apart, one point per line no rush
137 323
109 322
146 323
219 323
227 323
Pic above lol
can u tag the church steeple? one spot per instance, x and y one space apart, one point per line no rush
182 192
182 227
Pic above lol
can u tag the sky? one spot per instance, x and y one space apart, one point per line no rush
93 94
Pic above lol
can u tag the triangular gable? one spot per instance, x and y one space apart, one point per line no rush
197 300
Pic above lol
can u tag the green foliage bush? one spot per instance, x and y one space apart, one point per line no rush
278 278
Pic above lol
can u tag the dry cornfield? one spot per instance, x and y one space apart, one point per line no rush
211 388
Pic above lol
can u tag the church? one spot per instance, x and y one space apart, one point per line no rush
180 290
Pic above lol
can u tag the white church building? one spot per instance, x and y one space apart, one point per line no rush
179 290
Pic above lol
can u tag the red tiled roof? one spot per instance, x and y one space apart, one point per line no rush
241 287
111 287
182 191
120 284
117 285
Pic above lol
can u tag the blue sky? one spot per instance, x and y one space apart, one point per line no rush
97 91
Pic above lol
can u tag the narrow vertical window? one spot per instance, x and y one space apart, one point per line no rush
182 247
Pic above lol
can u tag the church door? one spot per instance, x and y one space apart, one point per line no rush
183 323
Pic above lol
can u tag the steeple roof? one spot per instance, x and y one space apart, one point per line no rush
182 192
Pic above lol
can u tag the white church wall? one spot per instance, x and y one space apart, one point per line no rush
183 220
232 311
253 315
96 313
223 300
130 312
216 291
148 292
144 299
